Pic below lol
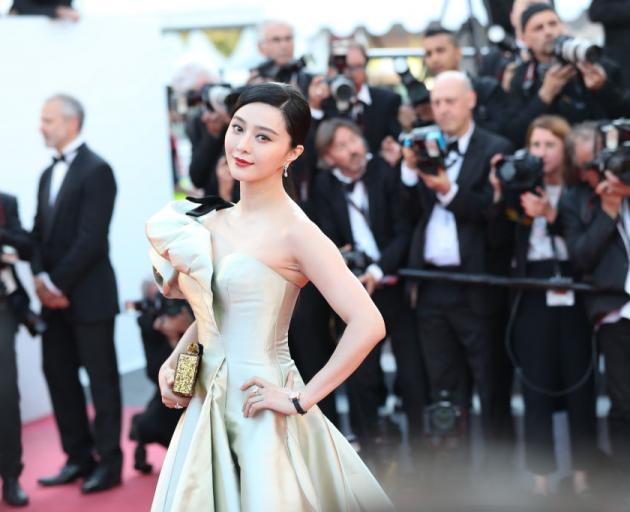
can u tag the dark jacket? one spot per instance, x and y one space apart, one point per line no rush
575 103
39 7
387 220
469 206
71 237
615 16
596 248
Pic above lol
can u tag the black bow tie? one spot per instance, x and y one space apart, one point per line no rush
349 186
453 146
57 159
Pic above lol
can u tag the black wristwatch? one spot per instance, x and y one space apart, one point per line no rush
294 396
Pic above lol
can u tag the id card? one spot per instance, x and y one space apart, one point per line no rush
556 298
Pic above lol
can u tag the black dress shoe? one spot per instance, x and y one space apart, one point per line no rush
68 474
103 478
13 494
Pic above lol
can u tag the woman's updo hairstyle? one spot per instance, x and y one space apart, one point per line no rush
290 101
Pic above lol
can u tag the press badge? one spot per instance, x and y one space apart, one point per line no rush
557 298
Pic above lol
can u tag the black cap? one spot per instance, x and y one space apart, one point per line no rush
532 10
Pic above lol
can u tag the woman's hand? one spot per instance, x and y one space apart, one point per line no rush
265 395
166 378
538 205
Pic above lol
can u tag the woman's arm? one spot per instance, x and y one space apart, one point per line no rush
321 262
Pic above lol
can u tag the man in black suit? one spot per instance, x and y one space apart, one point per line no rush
358 207
595 217
450 235
16 240
76 284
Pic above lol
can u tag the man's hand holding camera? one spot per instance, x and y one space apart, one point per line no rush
439 183
538 205
318 91
555 79
612 192
594 75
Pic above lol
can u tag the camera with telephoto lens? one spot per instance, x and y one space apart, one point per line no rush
443 419
213 97
18 300
416 90
429 146
613 139
270 70
518 173
572 50
357 261
157 306
505 42
341 87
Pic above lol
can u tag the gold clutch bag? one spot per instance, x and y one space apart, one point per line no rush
187 369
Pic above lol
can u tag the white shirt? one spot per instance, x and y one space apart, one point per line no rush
60 169
624 230
361 231
540 247
441 243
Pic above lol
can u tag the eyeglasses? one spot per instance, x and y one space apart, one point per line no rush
278 40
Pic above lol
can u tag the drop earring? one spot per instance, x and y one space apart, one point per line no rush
286 169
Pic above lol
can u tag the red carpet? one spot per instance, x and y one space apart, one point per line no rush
43 457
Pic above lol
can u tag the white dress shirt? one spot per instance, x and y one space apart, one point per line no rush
60 168
361 231
540 247
441 243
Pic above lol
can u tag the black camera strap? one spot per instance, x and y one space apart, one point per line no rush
363 211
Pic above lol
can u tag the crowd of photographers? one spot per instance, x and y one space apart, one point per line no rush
520 171
518 174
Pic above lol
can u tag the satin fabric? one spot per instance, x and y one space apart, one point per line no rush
218 460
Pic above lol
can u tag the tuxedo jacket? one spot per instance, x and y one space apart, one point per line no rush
39 7
71 236
387 220
469 206
595 247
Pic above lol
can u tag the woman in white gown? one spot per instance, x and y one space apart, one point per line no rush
252 438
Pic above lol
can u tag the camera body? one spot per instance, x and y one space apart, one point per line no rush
443 419
416 90
357 261
272 71
157 306
212 97
572 50
18 300
506 43
518 173
429 146
613 141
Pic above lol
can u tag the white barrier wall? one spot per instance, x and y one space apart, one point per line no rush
113 66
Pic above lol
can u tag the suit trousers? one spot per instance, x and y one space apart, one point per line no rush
614 341
311 341
68 345
552 346
366 389
10 422
457 347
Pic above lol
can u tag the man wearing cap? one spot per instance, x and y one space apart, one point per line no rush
544 85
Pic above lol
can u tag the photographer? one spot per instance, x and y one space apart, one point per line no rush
162 322
442 53
359 209
12 236
549 329
553 82
596 220
448 197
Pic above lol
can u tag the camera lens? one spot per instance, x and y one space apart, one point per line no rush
507 171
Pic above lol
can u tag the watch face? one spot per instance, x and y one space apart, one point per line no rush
293 395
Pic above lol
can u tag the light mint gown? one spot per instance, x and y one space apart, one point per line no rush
218 460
